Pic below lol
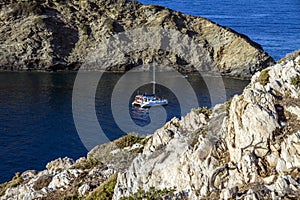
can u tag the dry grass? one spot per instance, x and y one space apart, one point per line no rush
264 77
295 80
17 180
105 191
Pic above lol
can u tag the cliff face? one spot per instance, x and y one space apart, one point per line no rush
54 35
247 148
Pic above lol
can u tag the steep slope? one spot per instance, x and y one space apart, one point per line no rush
54 35
247 148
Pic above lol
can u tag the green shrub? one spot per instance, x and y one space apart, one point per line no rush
17 180
105 191
295 80
88 164
152 194
128 141
264 77
37 20
228 104
84 29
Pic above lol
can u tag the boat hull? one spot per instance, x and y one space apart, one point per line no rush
146 101
150 104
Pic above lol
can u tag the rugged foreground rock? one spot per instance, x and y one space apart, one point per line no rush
88 177
247 148
57 35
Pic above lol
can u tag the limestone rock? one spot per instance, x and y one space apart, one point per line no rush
290 154
64 179
60 164
83 190
247 148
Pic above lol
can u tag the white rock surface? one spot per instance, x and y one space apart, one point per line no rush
83 190
250 153
248 148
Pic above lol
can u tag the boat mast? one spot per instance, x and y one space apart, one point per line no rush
153 89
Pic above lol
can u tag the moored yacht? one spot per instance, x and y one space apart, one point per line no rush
149 100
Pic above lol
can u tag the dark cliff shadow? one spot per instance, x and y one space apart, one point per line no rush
64 37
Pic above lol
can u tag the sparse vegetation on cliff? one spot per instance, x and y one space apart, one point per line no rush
264 77
295 80
105 191
289 56
153 194
204 110
64 32
26 8
253 138
16 180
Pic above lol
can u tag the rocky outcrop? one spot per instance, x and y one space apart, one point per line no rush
66 178
58 35
248 148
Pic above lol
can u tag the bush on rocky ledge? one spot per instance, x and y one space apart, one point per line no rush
105 191
204 110
17 180
295 80
154 193
264 77
129 140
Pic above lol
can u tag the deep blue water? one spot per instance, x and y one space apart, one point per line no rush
36 121
274 24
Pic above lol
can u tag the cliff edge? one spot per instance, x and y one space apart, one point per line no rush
246 148
59 35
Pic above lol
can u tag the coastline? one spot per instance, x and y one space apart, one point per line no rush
223 142
212 140
74 32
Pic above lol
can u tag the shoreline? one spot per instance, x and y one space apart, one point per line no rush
200 136
73 32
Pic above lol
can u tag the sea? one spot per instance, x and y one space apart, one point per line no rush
37 122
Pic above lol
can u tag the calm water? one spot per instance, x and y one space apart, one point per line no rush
36 122
274 24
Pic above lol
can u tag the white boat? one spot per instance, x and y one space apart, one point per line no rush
149 100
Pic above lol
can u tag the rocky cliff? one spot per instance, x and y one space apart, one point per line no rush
246 148
57 35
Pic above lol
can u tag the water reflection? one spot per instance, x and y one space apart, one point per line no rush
36 122
140 115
